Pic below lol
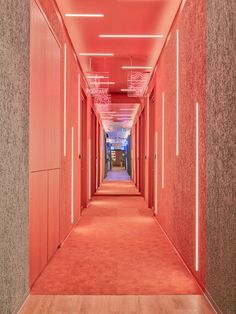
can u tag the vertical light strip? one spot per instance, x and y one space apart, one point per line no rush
89 172
177 92
65 96
148 121
72 175
101 154
96 153
163 140
197 187
79 122
156 176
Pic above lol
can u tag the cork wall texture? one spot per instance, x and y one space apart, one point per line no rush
14 101
221 156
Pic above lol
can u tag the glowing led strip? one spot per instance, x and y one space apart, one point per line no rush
79 121
89 153
156 178
65 79
177 92
96 154
72 175
84 15
163 138
197 187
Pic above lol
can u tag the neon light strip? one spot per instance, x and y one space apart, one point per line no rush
79 121
83 15
103 83
72 175
96 154
177 92
65 81
163 138
96 54
156 177
89 156
197 187
131 36
97 77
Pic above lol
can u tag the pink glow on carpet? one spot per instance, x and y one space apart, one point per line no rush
117 248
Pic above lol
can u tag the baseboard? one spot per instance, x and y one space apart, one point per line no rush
212 302
22 303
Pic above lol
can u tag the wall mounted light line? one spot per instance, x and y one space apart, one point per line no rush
72 175
65 95
130 36
89 166
177 92
163 140
84 15
96 54
197 187
79 120
156 173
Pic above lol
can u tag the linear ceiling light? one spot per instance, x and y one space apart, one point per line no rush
96 54
123 115
103 83
84 15
136 67
97 77
103 112
130 36
127 90
126 109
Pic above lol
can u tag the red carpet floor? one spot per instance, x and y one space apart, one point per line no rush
117 248
117 188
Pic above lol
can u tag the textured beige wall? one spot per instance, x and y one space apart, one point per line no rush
14 102
221 153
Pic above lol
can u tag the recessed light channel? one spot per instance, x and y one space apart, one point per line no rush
96 54
130 36
84 15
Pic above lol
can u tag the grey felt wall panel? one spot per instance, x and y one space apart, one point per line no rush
221 153
14 104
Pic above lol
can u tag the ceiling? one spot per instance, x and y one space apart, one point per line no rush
121 17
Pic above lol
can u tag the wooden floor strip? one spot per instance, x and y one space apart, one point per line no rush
161 304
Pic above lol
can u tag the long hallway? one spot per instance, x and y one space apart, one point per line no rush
117 149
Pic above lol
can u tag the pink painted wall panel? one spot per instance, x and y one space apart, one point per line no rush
37 223
44 94
177 201
53 211
47 127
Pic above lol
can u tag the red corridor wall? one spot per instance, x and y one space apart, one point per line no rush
56 138
176 200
